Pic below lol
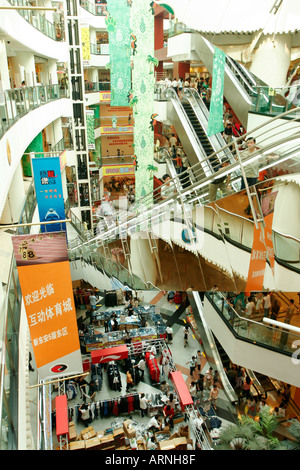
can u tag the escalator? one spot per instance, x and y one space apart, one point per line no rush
241 87
206 145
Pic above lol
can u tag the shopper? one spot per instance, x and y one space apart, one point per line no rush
267 305
129 381
192 363
164 387
173 140
291 310
198 360
85 414
251 170
154 423
200 384
168 413
92 390
186 333
93 301
172 401
169 331
193 390
247 387
214 393
175 85
143 404
208 379
141 365
82 385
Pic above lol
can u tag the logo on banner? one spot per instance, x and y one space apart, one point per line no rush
59 368
49 192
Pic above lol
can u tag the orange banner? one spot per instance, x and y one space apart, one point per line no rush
48 297
257 265
262 248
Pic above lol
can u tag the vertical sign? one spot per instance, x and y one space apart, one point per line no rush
45 280
262 248
142 25
215 120
267 206
85 43
49 192
90 128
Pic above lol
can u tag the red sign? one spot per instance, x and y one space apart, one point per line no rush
182 389
109 354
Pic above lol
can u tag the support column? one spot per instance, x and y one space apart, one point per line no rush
24 68
4 82
143 262
272 59
15 199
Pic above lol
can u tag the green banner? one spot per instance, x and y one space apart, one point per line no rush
215 120
90 129
118 27
142 96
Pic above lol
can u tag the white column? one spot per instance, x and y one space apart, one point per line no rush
26 60
143 262
15 198
52 72
272 59
4 82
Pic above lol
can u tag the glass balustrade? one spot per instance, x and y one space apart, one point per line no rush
279 339
98 9
96 86
99 49
15 103
9 330
53 30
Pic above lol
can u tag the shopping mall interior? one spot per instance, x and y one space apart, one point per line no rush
149 225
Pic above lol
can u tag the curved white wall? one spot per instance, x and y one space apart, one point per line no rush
21 134
14 25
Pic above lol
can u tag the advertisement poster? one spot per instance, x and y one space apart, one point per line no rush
45 280
49 192
268 206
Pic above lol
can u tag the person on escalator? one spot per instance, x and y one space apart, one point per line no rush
221 183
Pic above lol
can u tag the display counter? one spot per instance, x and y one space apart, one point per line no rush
113 338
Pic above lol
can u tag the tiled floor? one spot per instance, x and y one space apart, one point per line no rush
181 357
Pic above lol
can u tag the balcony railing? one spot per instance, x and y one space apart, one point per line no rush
17 102
54 30
99 49
279 339
96 86
9 330
95 9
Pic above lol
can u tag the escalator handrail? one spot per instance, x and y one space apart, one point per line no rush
206 180
205 112
171 95
248 321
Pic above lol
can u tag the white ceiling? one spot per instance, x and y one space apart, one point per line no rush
237 15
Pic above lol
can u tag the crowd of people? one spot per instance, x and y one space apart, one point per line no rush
251 404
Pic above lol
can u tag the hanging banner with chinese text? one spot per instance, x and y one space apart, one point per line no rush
215 120
45 280
262 248
49 192
267 207
118 27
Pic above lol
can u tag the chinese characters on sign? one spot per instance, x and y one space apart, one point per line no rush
48 297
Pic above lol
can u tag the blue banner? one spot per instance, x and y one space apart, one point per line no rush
49 193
